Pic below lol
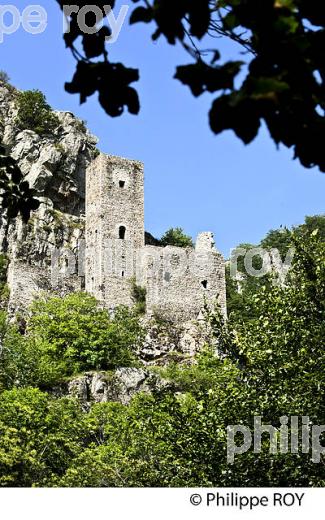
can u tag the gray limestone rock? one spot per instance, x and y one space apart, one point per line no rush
119 386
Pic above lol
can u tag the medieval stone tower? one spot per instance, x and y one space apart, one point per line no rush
114 227
178 282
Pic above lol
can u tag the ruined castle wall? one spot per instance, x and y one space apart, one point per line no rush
45 255
25 284
63 250
180 281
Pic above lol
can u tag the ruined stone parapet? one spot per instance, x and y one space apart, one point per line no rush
205 242
180 282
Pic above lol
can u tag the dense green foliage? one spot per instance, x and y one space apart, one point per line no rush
241 292
34 113
275 76
270 366
176 237
39 437
66 336
77 335
281 239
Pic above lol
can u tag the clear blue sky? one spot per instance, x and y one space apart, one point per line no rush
193 178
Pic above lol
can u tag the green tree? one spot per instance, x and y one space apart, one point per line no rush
65 337
176 237
243 288
236 304
242 291
312 223
39 437
34 113
22 363
73 334
273 367
280 239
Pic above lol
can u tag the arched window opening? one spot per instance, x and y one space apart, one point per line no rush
121 232
122 184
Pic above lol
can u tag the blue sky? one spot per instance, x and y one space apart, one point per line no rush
194 179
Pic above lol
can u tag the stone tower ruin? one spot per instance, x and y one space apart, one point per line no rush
88 232
179 282
114 227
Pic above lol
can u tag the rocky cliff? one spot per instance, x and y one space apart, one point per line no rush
55 166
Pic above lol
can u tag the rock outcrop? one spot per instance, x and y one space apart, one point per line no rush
119 386
166 340
55 166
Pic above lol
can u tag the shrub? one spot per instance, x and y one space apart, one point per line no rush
34 113
19 361
3 279
39 437
176 237
74 334
139 296
4 78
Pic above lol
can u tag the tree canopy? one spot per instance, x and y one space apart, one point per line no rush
176 237
34 113
66 336
278 79
241 292
175 435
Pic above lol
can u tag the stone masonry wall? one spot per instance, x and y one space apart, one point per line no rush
179 282
114 227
